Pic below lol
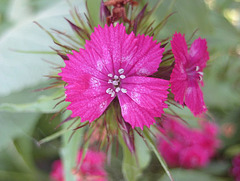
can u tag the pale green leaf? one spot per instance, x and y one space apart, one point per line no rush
21 70
156 152
70 149
190 175
142 151
14 125
130 168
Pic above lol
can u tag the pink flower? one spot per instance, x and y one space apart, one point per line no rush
92 168
115 64
188 72
236 168
187 147
193 157
57 173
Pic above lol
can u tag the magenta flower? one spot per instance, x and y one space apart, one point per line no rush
236 167
92 168
116 64
188 72
57 173
187 147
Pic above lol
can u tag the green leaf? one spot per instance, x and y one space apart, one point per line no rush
14 125
44 103
217 167
130 168
142 151
94 10
15 176
156 152
181 21
18 70
233 150
37 101
70 149
53 136
190 175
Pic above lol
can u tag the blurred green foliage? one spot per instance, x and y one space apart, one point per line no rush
25 114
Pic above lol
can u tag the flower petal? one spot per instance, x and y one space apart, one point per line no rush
114 47
136 55
143 100
179 48
198 53
88 97
147 57
81 63
179 83
194 98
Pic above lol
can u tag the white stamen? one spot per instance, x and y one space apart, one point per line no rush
197 68
116 77
122 76
110 75
115 82
124 90
113 94
110 81
200 73
108 90
121 71
200 78
117 89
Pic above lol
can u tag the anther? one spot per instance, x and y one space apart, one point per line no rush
117 89
197 68
110 75
124 90
122 76
108 90
121 71
115 82
113 94
116 77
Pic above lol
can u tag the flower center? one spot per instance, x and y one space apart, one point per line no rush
115 80
200 74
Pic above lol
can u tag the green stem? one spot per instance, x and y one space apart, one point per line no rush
69 150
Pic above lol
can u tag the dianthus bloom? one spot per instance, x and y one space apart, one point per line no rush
185 147
92 168
188 72
236 168
116 64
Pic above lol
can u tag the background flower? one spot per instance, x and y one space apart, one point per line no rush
188 72
92 168
186 147
236 167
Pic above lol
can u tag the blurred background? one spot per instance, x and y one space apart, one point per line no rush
25 114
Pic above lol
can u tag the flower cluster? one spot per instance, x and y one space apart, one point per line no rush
92 168
236 168
115 64
186 147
